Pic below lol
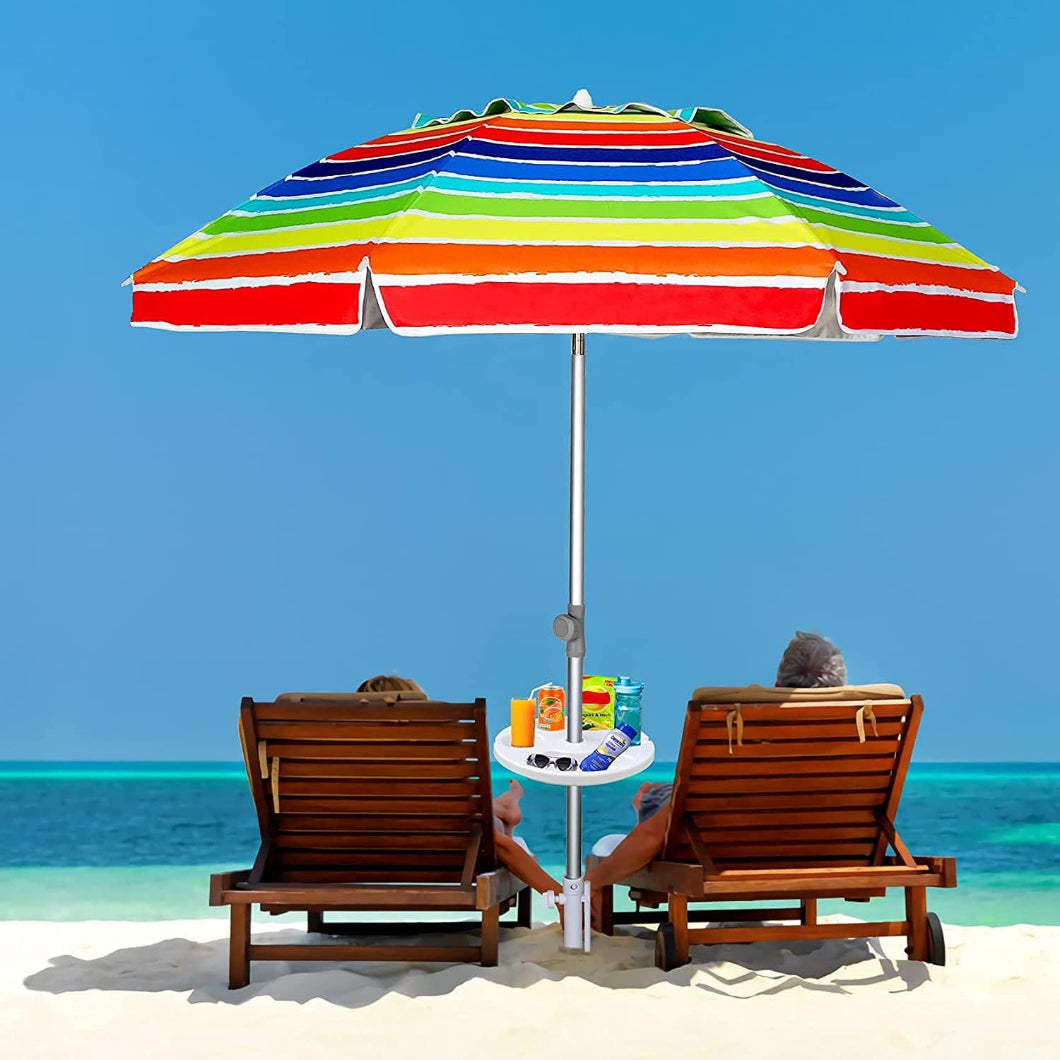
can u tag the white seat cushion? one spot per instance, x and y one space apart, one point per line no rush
605 846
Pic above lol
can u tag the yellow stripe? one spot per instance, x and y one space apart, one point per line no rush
898 248
412 227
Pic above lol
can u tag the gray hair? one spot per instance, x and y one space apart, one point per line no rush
811 661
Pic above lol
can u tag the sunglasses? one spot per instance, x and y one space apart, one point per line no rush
564 763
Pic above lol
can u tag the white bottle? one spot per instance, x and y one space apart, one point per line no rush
614 743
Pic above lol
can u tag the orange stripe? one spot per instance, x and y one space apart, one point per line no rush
432 259
866 269
473 259
285 263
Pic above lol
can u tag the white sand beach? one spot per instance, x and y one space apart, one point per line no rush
118 990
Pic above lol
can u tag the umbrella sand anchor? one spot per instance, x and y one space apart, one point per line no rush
570 627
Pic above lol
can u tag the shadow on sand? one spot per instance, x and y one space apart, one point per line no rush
624 962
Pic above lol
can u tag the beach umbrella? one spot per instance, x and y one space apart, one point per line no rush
578 219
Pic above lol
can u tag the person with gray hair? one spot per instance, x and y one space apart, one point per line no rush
809 661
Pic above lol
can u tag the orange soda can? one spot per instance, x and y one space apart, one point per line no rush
551 708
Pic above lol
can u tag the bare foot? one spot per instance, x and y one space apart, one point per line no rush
506 807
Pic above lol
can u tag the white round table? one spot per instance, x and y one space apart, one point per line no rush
631 762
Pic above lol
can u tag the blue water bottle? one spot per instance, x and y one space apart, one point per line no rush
627 704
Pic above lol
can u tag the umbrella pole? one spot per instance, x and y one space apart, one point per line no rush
571 628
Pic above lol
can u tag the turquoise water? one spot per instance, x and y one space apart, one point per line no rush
137 841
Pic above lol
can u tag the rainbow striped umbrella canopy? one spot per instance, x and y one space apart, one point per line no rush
575 218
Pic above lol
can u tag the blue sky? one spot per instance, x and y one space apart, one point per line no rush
192 518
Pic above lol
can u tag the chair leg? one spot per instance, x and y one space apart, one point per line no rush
315 922
808 908
523 908
491 932
607 910
239 947
678 905
916 920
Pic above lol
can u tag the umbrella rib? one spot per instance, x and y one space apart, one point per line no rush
789 208
428 181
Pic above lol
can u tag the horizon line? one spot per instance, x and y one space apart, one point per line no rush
239 762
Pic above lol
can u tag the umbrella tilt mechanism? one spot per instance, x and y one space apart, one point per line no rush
570 627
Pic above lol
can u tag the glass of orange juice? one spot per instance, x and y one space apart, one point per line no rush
523 722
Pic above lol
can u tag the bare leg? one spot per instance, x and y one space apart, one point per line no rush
521 864
506 807
641 846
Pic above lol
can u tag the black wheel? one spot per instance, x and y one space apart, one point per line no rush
666 948
936 941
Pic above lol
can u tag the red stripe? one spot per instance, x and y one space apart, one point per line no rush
403 144
887 311
810 165
663 136
739 143
611 123
616 304
279 306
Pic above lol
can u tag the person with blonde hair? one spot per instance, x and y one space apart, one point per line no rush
390 683
511 849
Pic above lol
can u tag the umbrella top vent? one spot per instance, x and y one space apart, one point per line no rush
706 117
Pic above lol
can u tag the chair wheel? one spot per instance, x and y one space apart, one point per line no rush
666 948
936 941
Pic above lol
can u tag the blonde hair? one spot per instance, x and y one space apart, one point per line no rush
389 683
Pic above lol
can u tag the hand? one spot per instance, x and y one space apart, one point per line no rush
596 903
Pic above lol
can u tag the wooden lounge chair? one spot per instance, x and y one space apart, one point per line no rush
788 794
366 805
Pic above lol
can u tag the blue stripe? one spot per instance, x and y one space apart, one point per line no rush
722 169
835 180
597 189
287 186
369 165
867 197
705 152
334 199
861 210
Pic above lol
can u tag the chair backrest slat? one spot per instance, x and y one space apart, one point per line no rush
789 785
369 792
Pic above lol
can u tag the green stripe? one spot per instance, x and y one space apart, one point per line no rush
628 209
446 205
354 211
869 226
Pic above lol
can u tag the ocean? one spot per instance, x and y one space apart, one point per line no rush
137 841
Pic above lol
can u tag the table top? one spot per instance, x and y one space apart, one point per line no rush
628 764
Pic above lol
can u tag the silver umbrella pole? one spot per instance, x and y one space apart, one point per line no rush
570 627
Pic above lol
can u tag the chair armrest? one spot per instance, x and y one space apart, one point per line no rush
225 881
492 888
669 877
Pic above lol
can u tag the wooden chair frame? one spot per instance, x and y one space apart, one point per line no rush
705 876
369 787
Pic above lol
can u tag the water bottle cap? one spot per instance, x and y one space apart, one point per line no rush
628 686
628 730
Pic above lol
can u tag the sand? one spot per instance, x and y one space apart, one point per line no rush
120 990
